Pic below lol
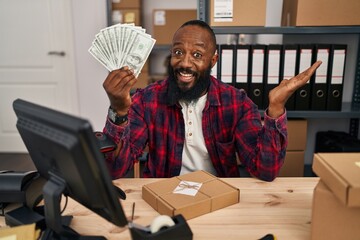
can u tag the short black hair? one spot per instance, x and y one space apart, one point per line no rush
203 25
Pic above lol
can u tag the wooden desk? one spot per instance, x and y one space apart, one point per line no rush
282 207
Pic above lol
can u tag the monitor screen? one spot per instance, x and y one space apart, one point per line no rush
66 153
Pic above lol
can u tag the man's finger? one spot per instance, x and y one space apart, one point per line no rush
305 75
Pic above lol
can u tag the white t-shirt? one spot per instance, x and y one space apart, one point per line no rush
195 155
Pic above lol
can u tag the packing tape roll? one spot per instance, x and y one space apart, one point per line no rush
160 222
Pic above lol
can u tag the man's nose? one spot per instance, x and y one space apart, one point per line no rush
186 61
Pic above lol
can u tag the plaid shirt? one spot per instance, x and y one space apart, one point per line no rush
231 124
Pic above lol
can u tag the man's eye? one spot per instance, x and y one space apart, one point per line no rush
197 55
177 52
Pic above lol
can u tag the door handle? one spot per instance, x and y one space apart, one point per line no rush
62 53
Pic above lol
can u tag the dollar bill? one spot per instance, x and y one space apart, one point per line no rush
122 45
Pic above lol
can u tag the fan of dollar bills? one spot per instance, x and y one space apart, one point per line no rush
122 45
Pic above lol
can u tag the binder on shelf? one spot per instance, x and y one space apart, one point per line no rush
289 64
302 95
319 79
272 70
242 70
336 76
256 86
227 63
215 68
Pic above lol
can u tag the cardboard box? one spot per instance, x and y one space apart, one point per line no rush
341 173
167 21
130 15
332 220
297 134
293 164
241 13
120 4
143 80
320 13
213 194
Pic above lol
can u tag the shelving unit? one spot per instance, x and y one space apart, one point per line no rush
349 110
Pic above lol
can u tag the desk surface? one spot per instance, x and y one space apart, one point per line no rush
281 207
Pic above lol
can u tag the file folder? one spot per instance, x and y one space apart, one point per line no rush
336 76
320 78
256 86
272 69
289 63
242 58
227 63
215 68
302 95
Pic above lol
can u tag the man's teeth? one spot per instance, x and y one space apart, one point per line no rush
185 74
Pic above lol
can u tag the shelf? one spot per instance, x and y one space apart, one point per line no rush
288 30
346 112
162 47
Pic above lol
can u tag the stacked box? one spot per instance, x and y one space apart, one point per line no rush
167 21
237 13
295 152
320 13
126 11
336 202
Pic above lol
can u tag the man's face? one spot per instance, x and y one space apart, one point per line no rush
192 55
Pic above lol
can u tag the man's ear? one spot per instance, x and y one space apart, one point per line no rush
214 58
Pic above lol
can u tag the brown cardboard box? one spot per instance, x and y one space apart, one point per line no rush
293 164
144 78
214 194
320 13
244 13
341 173
129 15
167 21
297 134
332 220
142 81
120 4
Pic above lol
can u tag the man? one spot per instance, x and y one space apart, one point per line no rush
192 121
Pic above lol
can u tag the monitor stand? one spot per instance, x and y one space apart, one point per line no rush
57 226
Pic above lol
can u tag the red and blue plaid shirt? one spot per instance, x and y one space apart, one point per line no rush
231 124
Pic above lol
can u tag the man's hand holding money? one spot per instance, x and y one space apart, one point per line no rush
117 86
123 50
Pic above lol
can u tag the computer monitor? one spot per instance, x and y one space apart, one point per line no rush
65 152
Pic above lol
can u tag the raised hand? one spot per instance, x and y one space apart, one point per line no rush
280 94
117 86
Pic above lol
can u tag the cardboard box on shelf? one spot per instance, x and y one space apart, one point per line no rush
240 13
320 13
172 196
331 219
341 173
120 4
167 21
143 80
297 134
293 164
130 15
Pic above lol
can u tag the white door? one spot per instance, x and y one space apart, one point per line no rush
36 61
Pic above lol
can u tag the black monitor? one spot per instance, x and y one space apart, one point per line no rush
66 153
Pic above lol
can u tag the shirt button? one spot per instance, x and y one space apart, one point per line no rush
190 134
190 123
190 111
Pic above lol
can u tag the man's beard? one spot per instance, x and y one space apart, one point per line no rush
175 93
